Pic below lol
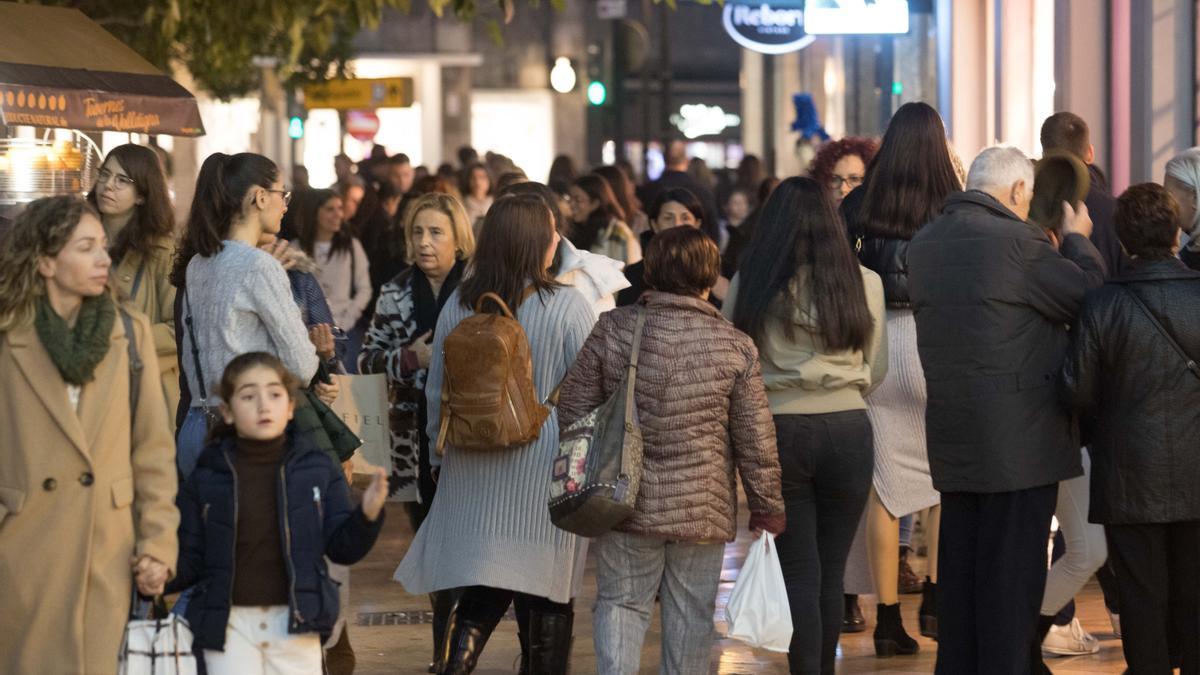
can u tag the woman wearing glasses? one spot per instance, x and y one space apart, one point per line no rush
135 207
842 165
342 267
236 297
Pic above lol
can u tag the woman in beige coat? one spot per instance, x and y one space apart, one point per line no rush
86 488
135 207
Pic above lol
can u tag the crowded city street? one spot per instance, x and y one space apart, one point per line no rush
599 336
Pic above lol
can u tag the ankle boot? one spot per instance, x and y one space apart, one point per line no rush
927 615
464 643
852 617
550 642
442 603
890 638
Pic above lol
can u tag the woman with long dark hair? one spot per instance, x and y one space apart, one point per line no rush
906 184
600 221
626 193
135 206
342 266
236 297
489 530
816 317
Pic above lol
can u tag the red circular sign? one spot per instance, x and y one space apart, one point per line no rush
362 124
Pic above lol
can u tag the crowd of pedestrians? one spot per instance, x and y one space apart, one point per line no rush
989 348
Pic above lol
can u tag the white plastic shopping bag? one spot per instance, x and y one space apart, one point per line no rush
758 612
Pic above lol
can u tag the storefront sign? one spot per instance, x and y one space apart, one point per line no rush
94 110
360 94
775 27
696 120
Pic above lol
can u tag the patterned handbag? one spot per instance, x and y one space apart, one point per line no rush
595 478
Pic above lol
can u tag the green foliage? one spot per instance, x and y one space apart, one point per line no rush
219 40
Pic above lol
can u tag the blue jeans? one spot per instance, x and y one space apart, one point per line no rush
190 441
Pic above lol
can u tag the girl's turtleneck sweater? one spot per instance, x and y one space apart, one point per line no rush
260 573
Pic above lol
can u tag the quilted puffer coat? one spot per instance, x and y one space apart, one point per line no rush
702 409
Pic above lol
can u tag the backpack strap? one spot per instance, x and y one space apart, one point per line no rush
135 363
1189 361
631 374
499 302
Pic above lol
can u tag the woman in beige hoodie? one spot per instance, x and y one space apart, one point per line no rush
816 317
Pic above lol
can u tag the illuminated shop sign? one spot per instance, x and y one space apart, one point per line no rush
775 27
696 120
856 17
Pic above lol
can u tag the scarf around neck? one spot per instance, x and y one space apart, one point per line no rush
76 351
426 308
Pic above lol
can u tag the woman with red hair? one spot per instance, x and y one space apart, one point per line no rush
841 165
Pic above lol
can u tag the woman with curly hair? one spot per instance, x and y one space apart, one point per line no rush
87 504
841 165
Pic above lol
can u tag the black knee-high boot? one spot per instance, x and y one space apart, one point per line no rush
465 638
550 641
442 603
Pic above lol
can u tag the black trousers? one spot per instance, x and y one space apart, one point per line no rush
827 462
1160 595
991 579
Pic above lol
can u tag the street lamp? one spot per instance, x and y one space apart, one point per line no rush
562 75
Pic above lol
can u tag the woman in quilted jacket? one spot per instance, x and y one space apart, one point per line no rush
703 413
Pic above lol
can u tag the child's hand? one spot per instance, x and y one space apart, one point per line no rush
375 495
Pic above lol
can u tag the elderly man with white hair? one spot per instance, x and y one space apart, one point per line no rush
992 297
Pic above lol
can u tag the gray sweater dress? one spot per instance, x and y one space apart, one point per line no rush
489 524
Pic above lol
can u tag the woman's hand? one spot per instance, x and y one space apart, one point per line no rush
1077 222
321 336
422 349
348 470
376 494
150 575
281 251
328 393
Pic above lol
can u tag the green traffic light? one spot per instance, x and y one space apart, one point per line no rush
296 127
897 88
597 94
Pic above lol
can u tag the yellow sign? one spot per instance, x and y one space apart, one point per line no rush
360 94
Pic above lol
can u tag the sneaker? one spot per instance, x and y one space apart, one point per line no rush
1115 620
1070 640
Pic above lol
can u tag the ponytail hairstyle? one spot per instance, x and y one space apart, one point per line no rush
153 220
41 230
220 197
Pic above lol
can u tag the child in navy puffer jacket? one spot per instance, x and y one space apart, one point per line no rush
258 515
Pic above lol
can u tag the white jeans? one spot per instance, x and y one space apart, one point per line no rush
1085 544
257 642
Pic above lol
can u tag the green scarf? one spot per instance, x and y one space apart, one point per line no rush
77 351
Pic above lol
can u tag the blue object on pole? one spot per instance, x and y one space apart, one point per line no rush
807 122
296 127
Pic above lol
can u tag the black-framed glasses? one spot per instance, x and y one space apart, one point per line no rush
287 195
837 181
120 180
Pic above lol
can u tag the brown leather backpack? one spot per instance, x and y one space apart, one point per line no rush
488 398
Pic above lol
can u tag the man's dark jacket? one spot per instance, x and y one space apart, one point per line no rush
1101 206
317 520
1137 395
992 300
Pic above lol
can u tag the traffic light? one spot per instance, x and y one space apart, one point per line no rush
597 93
296 127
